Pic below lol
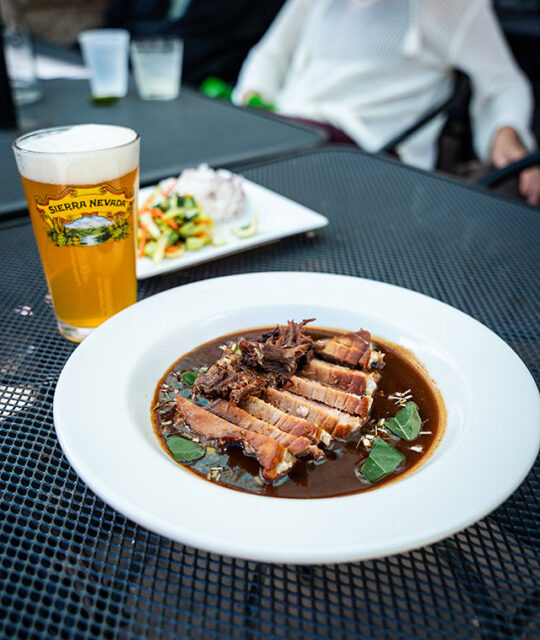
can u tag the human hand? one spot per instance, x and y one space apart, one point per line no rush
529 185
507 148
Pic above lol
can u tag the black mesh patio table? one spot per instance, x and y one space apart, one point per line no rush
72 567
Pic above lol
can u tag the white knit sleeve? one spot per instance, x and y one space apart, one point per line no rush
501 93
265 67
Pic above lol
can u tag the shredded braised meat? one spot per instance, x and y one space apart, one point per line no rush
279 351
256 364
227 378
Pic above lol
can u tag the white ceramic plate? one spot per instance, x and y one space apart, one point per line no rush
102 418
278 217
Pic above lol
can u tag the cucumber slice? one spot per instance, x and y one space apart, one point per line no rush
218 238
247 230
149 248
194 244
188 229
159 251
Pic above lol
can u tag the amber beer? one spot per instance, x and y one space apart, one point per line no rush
81 186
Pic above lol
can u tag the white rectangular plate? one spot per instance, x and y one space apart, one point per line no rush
278 217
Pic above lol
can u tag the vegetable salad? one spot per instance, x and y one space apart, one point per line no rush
170 223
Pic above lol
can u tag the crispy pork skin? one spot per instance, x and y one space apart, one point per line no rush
297 445
338 423
354 349
274 458
351 380
359 405
290 423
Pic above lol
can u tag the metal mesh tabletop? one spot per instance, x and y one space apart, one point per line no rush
72 567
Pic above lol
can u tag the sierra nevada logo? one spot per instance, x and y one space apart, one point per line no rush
86 216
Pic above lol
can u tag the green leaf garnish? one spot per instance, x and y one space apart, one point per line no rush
184 450
189 377
383 458
406 423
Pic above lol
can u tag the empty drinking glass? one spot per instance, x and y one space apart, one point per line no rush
105 53
19 55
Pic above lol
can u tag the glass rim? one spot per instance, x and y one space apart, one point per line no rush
104 33
158 42
16 146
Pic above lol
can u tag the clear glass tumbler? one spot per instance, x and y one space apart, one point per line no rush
19 55
157 66
105 53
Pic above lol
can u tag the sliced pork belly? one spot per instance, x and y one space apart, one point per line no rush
355 349
274 458
360 405
351 380
297 445
290 423
338 423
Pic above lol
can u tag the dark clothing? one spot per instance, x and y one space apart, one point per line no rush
142 18
332 134
217 35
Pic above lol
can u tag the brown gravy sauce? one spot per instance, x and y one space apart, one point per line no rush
336 475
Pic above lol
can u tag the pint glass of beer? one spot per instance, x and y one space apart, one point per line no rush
81 185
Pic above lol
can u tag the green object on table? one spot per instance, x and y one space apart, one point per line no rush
257 102
103 100
216 88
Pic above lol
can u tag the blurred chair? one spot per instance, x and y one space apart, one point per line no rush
455 146
455 151
496 178
520 21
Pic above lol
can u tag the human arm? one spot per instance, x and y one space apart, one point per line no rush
501 104
266 65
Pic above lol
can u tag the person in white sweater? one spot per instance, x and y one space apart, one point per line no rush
371 68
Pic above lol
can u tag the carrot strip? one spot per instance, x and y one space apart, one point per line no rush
148 200
166 193
156 212
171 223
142 245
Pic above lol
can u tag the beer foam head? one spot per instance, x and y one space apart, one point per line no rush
82 154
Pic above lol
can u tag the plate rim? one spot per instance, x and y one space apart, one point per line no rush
298 556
